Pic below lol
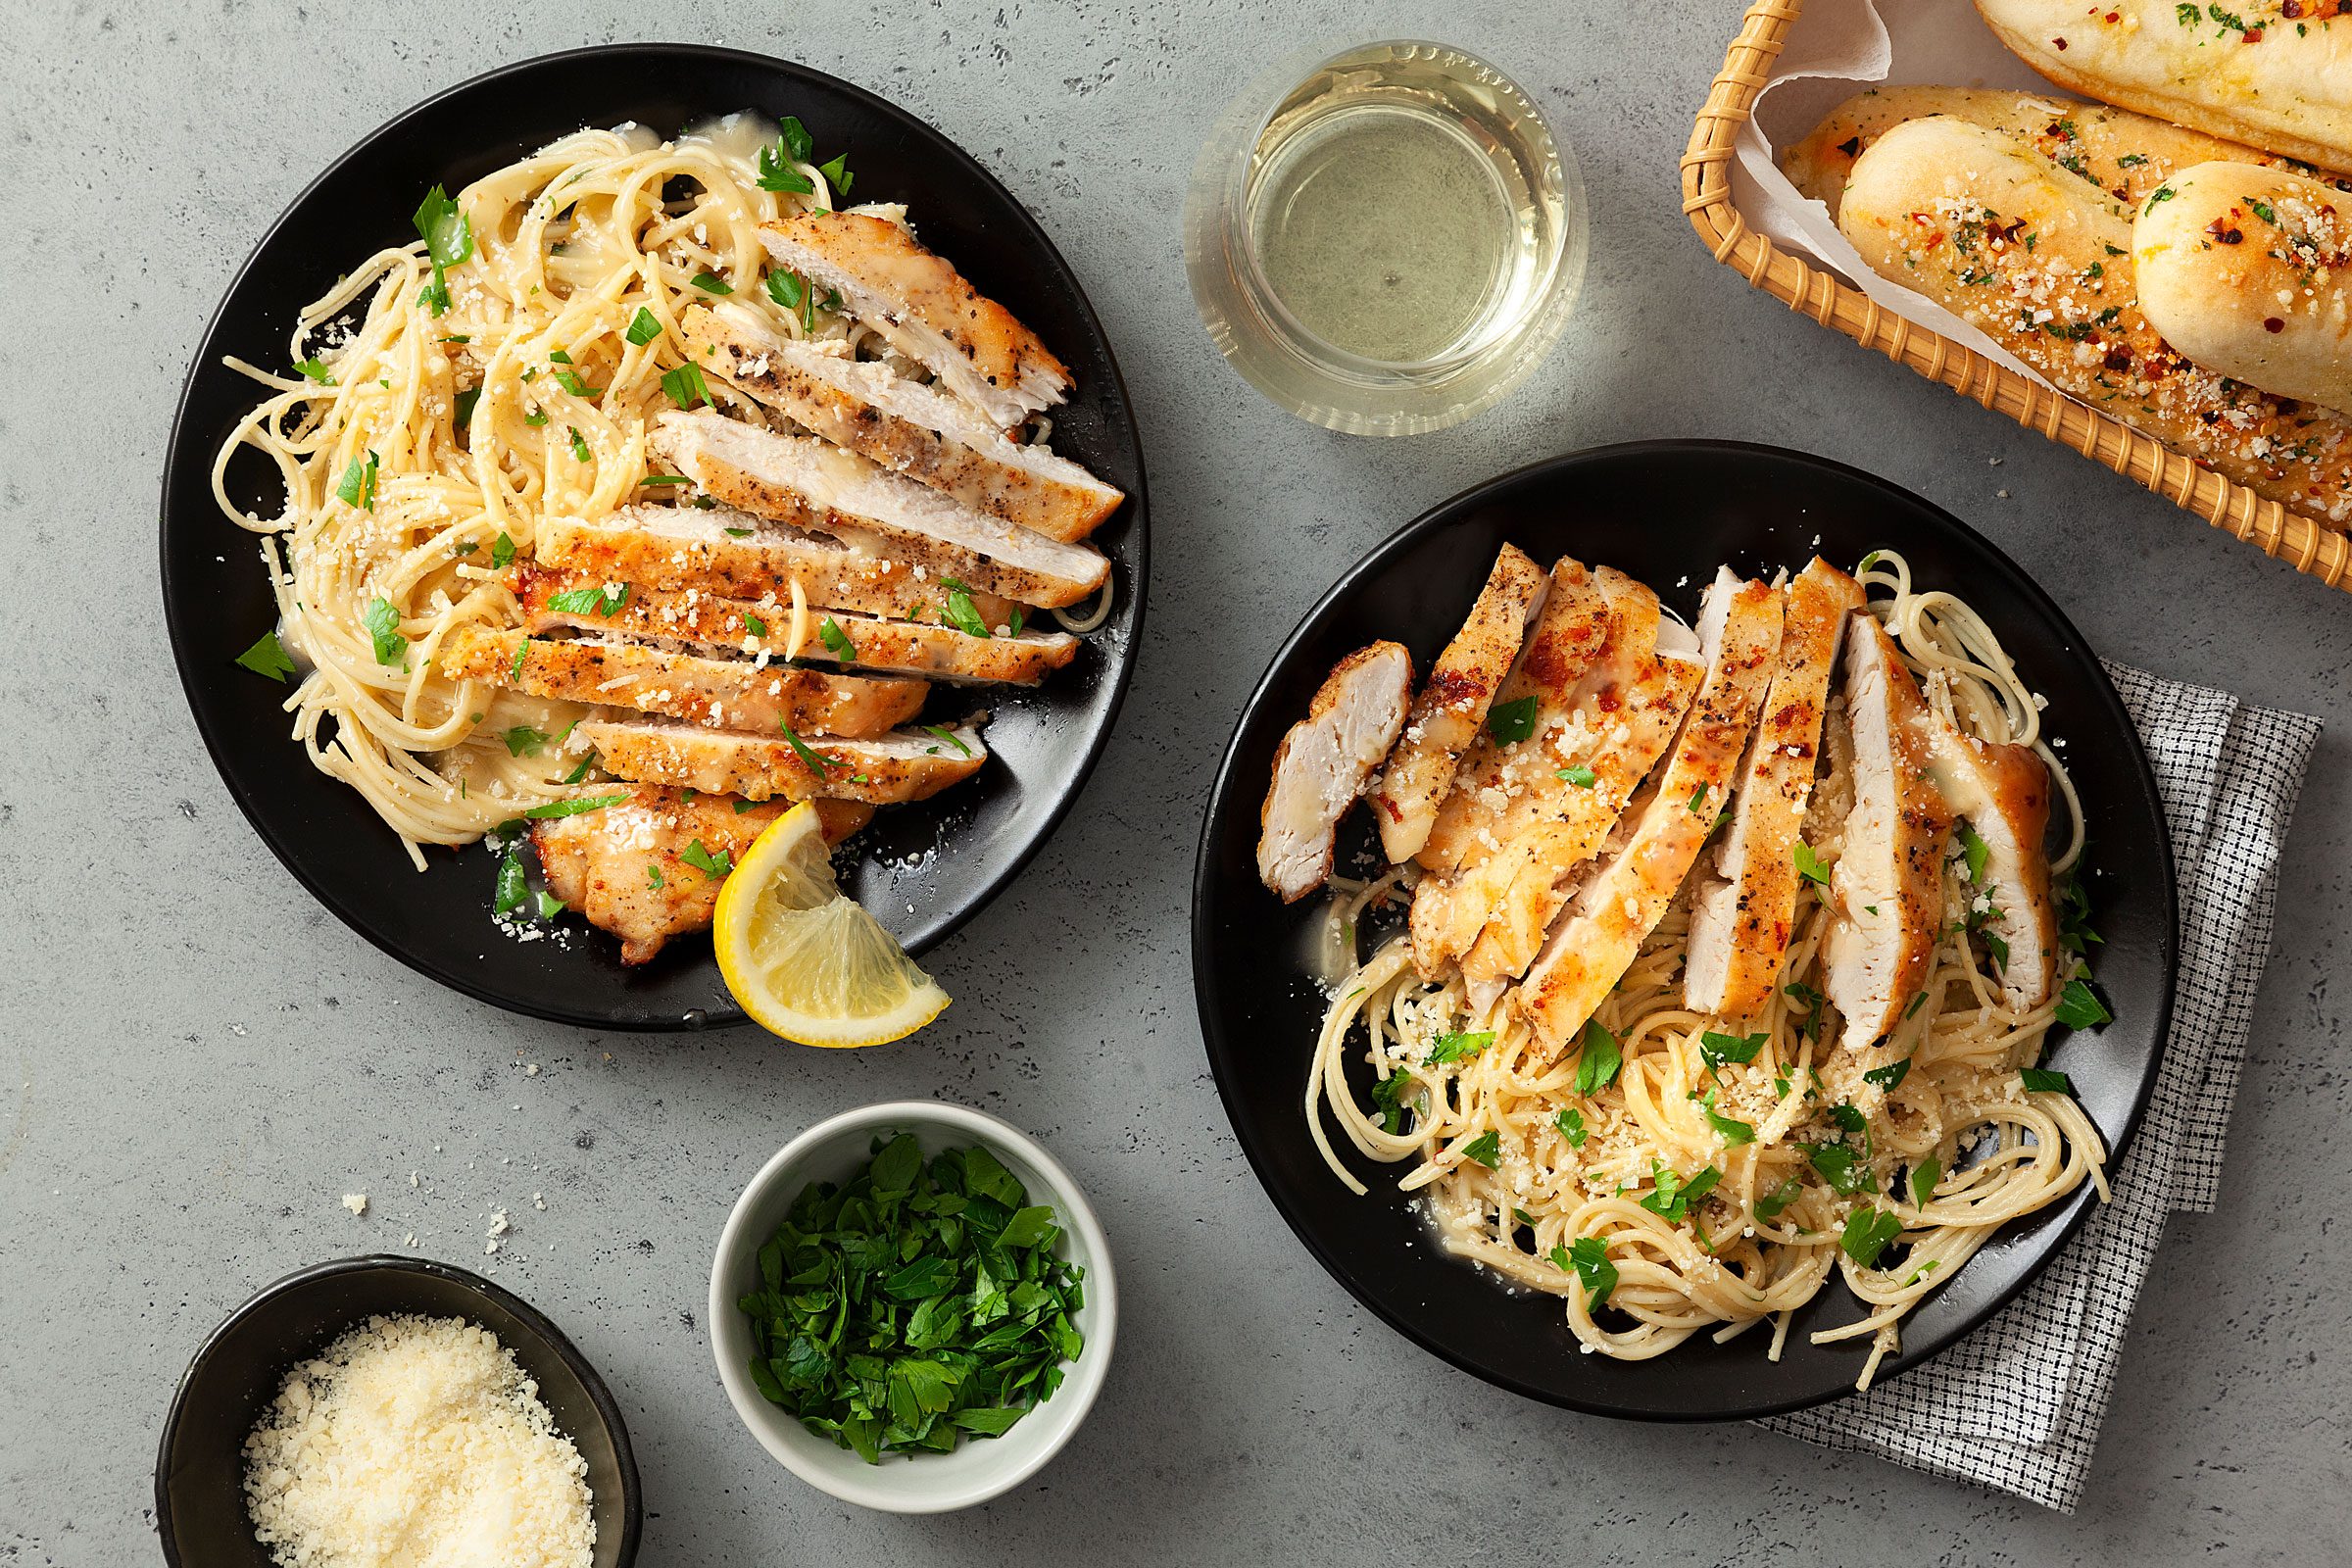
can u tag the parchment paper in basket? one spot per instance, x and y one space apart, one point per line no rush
1838 48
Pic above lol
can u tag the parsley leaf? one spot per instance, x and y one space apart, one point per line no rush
357 488
1386 1098
1571 1123
1459 1047
315 369
709 864
685 386
590 601
1673 1197
961 610
1771 1205
1596 1068
777 171
2080 1008
448 235
1513 721
837 640
1732 1132
836 170
1867 1232
1580 775
1809 866
268 656
644 327
510 888
525 741
2042 1081
711 283
1840 1166
950 736
579 444
816 762
1975 849
1924 1177
552 810
1888 1076
1589 1259
502 551
1717 1049
383 621
1485 1149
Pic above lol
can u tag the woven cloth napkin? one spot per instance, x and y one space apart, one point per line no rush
2018 1404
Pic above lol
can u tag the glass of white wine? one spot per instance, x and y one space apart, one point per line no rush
1386 239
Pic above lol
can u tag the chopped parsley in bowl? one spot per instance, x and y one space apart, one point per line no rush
913 1308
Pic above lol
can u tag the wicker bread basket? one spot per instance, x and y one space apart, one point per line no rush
1707 198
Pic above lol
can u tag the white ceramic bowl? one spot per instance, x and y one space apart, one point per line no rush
979 1468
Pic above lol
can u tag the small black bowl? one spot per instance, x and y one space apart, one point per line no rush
200 1465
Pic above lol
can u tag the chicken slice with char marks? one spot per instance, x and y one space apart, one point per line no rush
736 555
1454 703
622 866
1887 888
1621 900
904 425
1324 762
696 619
923 307
902 765
1611 709
726 692
806 483
1744 912
2004 792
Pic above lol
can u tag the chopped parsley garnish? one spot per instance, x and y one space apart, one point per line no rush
1888 1076
579 444
535 418
1699 800
552 810
915 1305
795 139
1846 1172
1485 1149
685 386
2080 1008
1596 1068
2043 1081
525 741
652 875
590 601
816 763
357 488
1732 1132
703 860
1770 1205
754 624
644 327
665 479
383 621
790 290
711 283
836 170
1385 1098
268 656
2073 918
581 771
1513 721
1717 1049
1589 1259
1459 1047
1021 618
502 551
315 369
950 736
1571 1123
1977 850
1924 1177
462 412
1812 1000
1809 866
550 905
569 380
1673 1197
961 609
836 641
447 236
510 888
1580 775
1868 1230
2264 211
777 171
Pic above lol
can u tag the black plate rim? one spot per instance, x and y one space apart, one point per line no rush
1138 508
1441 515
607 1408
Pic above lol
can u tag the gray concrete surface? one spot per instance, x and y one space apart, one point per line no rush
197 1061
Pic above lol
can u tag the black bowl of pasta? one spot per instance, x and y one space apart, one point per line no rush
441 467
1591 1217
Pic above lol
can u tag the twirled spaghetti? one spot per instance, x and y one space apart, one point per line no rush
1693 1191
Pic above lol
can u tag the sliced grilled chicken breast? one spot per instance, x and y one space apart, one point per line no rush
806 483
1887 887
903 766
925 309
723 551
1324 762
1624 713
622 866
1492 783
902 425
1537 820
1743 913
2004 792
722 692
697 619
1621 902
1453 701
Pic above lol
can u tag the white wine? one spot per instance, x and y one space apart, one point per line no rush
1383 228
1386 239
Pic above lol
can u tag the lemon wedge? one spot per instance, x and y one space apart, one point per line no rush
806 960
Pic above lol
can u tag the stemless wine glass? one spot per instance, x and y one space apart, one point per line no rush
1386 239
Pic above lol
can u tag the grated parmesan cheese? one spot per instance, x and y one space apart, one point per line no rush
416 1443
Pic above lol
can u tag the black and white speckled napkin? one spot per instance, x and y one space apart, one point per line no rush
2018 1404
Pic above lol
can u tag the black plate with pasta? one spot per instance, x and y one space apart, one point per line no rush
1825 1173
627 425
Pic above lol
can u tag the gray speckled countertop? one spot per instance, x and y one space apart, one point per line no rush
198 1062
